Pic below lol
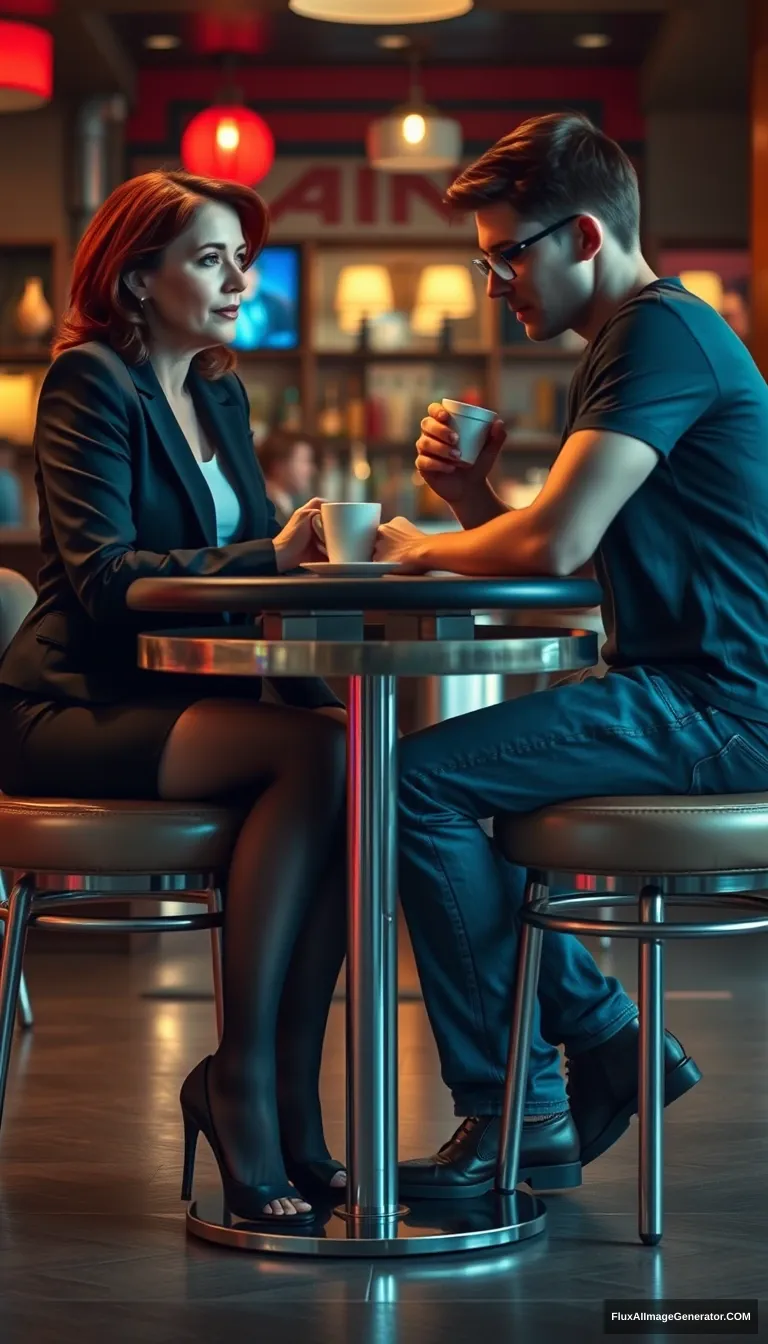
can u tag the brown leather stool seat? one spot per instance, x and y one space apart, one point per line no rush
727 834
654 852
73 835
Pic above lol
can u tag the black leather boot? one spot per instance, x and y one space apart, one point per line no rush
465 1166
603 1086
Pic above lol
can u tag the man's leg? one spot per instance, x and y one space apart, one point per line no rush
625 733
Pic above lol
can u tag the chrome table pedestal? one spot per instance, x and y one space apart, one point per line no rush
371 1223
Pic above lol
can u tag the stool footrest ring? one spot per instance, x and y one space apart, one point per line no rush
548 917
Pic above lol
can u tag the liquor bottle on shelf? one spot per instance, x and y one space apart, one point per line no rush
258 396
330 421
359 473
355 409
330 479
290 412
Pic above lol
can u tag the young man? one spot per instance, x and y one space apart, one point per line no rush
662 481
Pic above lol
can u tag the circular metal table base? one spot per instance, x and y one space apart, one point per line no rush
429 1228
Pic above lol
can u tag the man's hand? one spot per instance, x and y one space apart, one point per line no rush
438 461
400 543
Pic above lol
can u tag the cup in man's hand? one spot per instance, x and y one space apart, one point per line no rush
472 424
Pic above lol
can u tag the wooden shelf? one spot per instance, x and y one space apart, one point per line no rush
266 356
32 354
402 356
535 354
378 446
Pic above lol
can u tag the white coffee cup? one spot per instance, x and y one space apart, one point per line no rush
348 531
471 423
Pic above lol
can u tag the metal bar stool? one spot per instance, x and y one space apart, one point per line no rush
55 838
61 836
659 852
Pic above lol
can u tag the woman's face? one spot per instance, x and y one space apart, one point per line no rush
191 301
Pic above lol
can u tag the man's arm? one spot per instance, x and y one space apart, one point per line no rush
479 508
594 475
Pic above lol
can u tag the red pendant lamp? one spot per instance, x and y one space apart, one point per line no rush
228 141
26 56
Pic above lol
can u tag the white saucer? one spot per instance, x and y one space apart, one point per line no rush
353 569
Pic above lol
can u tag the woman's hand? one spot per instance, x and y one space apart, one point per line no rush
399 542
298 543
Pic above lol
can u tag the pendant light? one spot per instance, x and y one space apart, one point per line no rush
380 11
228 141
414 138
26 66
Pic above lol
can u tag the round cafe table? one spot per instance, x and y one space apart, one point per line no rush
371 631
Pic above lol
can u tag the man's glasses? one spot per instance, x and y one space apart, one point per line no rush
501 262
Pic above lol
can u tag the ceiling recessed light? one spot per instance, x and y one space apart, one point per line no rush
162 42
593 41
393 41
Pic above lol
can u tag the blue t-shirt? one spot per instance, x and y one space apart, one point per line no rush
684 565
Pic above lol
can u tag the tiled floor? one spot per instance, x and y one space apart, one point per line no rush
92 1240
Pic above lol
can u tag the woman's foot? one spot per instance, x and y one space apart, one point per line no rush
247 1131
306 1156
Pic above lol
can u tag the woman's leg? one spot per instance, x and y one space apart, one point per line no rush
307 996
296 759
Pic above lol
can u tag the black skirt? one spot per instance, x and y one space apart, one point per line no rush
64 749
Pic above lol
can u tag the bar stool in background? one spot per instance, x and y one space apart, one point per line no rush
658 852
43 839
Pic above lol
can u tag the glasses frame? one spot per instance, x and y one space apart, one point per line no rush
501 262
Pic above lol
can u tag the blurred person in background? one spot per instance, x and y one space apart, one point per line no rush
288 462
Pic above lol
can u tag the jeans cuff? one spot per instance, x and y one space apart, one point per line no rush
581 1044
478 1103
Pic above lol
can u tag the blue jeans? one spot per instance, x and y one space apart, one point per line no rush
631 732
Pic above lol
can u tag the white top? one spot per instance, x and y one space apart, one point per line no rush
225 502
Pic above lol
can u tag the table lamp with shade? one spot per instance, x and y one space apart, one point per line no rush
445 294
18 405
706 285
362 292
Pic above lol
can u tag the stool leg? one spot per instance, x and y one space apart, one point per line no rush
26 1017
215 907
651 1080
526 985
19 910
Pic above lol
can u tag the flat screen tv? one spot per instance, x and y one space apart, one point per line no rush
269 307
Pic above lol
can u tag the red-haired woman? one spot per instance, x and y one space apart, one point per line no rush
145 466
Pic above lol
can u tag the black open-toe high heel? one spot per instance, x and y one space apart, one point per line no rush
316 1177
246 1201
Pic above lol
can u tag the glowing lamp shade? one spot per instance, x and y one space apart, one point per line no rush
362 292
706 285
26 66
380 11
413 141
232 143
443 292
18 403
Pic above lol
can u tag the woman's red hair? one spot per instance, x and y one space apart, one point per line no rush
130 230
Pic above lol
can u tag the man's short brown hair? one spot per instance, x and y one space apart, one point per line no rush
554 166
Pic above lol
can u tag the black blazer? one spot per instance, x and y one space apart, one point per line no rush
121 498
